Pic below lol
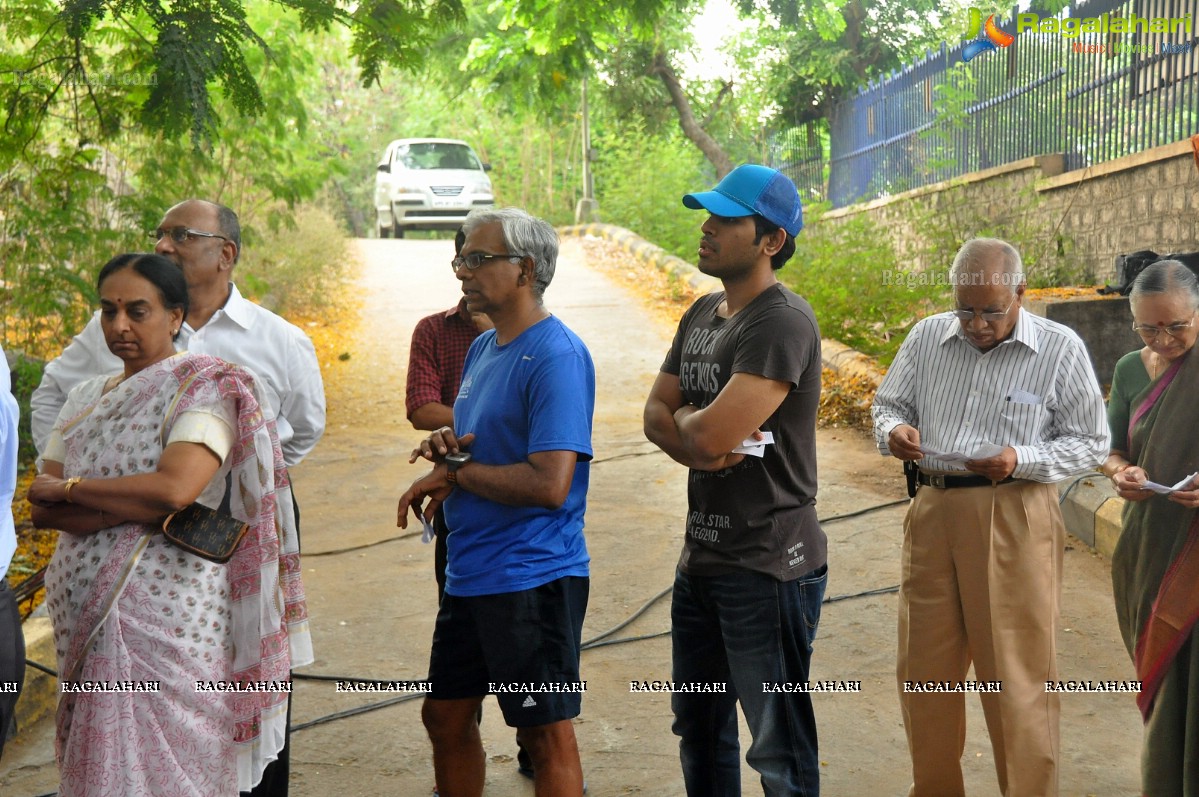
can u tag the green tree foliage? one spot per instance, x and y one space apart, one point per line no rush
88 52
87 165
640 182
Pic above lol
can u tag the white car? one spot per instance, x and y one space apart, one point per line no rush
429 184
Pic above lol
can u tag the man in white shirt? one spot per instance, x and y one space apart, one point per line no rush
983 539
12 641
204 239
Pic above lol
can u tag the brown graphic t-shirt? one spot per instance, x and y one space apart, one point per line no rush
760 514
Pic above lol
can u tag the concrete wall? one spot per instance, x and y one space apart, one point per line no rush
1103 323
1082 219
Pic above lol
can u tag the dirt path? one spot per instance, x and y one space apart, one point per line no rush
372 609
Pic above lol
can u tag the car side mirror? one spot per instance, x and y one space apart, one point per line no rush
486 167
385 167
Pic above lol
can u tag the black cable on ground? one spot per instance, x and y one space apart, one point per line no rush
353 712
362 546
644 608
1088 475
42 667
597 641
866 511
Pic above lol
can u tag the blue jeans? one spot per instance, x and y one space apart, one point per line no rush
745 629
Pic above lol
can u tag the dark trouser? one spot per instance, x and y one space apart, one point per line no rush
441 531
743 630
275 776
523 761
12 659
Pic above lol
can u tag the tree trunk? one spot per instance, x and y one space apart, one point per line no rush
691 128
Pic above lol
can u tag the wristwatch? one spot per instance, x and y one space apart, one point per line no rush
453 462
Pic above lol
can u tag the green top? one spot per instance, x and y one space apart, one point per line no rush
1128 379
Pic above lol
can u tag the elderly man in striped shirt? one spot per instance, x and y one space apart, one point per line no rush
994 404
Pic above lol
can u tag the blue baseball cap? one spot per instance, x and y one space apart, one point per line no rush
751 189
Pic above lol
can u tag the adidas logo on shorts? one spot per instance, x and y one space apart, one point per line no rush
529 702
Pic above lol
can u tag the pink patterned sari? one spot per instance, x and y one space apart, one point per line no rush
130 608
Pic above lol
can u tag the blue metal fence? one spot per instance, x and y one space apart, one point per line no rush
1091 97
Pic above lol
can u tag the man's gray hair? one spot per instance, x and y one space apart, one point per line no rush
977 254
1166 276
524 235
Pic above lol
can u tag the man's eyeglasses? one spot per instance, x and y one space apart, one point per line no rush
990 317
473 261
1149 333
183 234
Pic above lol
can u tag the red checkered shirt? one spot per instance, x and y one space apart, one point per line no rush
439 345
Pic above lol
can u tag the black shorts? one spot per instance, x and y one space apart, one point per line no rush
523 647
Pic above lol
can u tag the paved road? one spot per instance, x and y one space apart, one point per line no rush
373 607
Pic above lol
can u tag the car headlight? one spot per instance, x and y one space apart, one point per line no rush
409 189
481 187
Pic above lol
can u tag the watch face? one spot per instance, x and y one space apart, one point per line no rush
458 459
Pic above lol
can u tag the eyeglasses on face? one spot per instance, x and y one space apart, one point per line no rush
476 259
183 234
1150 333
989 317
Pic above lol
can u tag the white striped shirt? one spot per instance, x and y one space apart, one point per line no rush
1035 391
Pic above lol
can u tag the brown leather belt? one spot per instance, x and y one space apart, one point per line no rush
946 482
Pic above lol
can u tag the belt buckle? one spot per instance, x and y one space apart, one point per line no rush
936 480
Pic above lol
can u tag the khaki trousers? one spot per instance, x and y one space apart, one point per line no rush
982 582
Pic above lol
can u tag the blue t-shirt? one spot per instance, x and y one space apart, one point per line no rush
535 393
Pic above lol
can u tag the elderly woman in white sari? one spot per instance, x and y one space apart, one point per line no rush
175 667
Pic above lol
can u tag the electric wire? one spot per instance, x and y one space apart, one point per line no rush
597 641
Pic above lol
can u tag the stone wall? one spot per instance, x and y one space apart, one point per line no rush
1079 220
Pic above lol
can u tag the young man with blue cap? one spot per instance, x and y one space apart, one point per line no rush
736 403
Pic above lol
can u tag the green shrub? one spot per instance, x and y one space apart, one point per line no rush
640 180
863 297
296 264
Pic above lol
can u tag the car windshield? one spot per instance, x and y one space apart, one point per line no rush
437 155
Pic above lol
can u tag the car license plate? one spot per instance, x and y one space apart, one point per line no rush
448 203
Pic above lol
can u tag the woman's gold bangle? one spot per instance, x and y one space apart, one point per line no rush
1120 468
66 488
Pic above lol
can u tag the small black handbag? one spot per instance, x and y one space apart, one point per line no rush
205 532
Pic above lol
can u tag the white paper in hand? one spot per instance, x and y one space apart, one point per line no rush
984 451
1162 489
427 535
755 448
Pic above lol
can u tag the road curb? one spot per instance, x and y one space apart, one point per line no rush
39 695
647 252
1090 507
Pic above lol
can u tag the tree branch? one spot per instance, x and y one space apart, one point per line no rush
724 92
691 128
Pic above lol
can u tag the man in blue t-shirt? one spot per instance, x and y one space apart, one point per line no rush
513 475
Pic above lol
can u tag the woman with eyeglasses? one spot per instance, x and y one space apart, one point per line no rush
1154 416
174 668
